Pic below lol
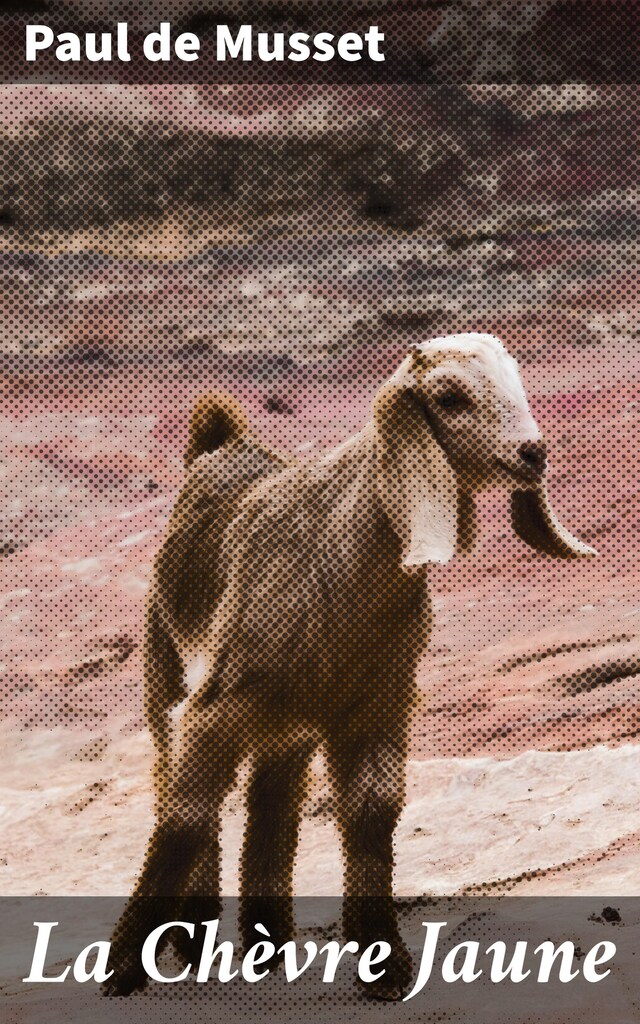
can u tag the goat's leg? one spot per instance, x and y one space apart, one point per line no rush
163 689
200 900
204 769
369 777
276 791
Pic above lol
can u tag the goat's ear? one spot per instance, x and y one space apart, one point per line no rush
417 486
535 523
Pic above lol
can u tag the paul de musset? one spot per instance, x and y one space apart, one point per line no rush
243 44
464 962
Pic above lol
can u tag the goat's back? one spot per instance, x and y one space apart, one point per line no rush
188 575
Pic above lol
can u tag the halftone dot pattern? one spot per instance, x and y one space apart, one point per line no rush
250 504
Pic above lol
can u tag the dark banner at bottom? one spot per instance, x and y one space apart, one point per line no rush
493 959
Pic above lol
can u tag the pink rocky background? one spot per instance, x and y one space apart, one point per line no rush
298 286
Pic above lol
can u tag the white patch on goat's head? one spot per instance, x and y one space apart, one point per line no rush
483 355
454 419
488 420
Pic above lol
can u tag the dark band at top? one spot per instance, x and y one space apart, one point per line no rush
427 42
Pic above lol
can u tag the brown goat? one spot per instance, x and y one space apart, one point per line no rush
289 610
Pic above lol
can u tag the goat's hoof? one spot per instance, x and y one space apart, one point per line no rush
196 909
393 985
270 913
125 982
125 958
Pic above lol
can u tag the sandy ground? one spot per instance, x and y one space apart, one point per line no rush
527 824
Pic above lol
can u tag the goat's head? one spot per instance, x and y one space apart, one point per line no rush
454 420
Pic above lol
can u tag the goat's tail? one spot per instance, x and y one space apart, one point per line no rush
217 418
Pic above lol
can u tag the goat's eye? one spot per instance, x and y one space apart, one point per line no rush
449 400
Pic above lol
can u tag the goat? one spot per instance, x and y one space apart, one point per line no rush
289 610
